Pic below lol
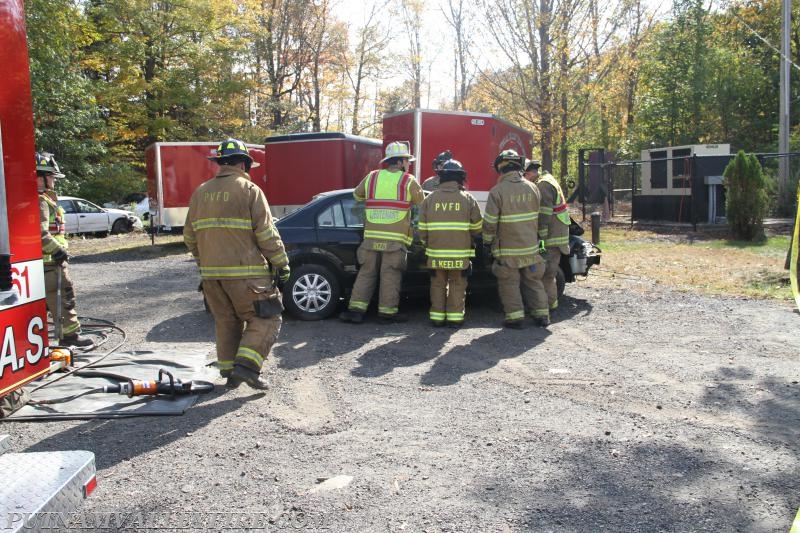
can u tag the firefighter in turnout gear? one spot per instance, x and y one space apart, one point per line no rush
432 183
448 220
231 234
510 234
388 195
54 254
553 226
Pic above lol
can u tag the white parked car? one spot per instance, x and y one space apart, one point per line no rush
82 216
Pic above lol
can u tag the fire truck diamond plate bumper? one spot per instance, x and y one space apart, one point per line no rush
37 483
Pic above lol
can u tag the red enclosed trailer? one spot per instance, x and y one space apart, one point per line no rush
176 169
475 139
302 165
35 484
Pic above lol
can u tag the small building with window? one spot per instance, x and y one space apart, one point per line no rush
683 184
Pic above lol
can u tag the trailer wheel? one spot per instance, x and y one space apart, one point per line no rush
561 282
312 292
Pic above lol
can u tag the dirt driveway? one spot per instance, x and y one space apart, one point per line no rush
639 409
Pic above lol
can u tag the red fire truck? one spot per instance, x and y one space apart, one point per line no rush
475 139
32 483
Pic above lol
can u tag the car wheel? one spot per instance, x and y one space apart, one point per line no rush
561 282
121 225
312 293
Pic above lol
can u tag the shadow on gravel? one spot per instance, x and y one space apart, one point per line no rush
195 326
775 417
481 354
382 359
641 488
136 253
115 441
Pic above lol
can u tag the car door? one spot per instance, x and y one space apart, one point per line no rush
91 218
70 215
340 229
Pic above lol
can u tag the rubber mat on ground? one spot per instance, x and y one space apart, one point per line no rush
75 396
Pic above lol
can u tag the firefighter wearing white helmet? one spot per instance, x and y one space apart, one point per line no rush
54 254
553 226
510 236
231 234
388 195
448 220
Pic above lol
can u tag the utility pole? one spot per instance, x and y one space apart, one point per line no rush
784 167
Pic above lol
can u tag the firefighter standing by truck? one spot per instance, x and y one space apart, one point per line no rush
230 232
553 226
448 220
510 235
388 195
432 183
58 283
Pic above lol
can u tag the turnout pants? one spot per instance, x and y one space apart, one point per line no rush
69 316
448 292
243 338
520 288
385 268
549 279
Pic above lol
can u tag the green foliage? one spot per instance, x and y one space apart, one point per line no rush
746 197
112 185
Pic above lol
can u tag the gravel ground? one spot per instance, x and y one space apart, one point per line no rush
640 409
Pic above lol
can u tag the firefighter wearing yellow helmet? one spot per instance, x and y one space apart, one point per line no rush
231 234
510 236
55 256
388 195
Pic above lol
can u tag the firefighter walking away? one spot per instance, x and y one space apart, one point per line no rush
231 234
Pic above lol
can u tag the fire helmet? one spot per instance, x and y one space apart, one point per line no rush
508 160
400 149
233 151
440 159
451 170
46 164
531 164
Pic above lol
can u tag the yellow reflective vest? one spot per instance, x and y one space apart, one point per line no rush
388 197
553 214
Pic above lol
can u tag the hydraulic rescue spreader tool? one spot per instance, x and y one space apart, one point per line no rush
171 387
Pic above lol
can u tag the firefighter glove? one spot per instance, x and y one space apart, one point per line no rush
284 273
60 257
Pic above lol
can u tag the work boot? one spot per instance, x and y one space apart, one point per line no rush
354 317
242 374
513 324
75 339
541 321
454 325
437 323
392 319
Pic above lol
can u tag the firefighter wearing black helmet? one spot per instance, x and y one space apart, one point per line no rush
510 231
448 220
231 234
432 183
54 253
